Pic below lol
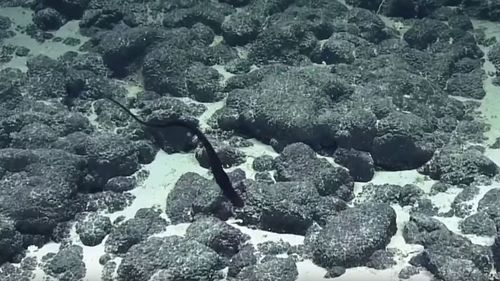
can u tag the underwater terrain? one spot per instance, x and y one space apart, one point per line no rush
362 135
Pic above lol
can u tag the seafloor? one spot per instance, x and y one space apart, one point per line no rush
362 135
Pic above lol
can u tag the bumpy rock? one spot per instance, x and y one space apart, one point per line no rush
395 139
109 156
11 272
463 204
211 14
381 259
299 162
287 44
399 8
274 248
105 201
351 237
48 19
163 68
359 163
97 18
469 85
450 269
46 77
202 83
72 9
228 155
145 223
172 139
441 245
271 268
334 51
170 257
5 23
485 10
263 163
424 33
245 257
405 195
285 207
39 189
122 46
239 29
401 142
11 243
194 194
216 234
93 228
37 126
67 264
490 203
494 55
408 272
426 207
10 94
455 165
121 184
479 224
371 27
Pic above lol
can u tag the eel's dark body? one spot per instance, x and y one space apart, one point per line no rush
221 178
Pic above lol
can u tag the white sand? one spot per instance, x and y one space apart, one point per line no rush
167 168
164 171
22 17
490 104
